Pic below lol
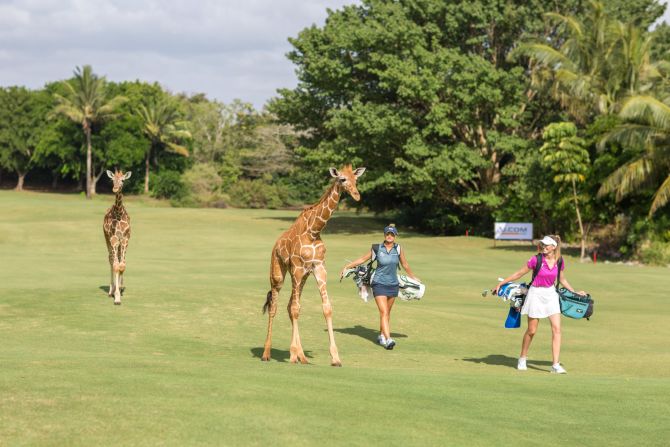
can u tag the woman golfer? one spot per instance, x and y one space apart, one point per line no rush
542 299
385 280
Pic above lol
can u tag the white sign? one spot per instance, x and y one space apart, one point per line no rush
513 231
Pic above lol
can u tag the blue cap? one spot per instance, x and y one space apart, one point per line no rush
390 229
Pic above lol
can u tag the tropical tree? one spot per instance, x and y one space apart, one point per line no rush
86 102
565 155
163 126
433 107
598 61
645 130
21 125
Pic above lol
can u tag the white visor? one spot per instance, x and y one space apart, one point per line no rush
548 241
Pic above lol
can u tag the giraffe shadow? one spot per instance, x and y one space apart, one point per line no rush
366 333
278 355
504 360
106 289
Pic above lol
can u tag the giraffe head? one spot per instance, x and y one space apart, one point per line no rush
346 178
117 178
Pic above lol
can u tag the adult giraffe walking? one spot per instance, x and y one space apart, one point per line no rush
301 251
116 227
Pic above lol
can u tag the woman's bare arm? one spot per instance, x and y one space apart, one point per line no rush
514 276
564 282
405 265
366 257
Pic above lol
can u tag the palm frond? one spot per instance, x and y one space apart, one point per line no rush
661 197
570 22
632 136
646 109
627 178
177 149
544 54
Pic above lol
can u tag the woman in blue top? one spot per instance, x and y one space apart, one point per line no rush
385 280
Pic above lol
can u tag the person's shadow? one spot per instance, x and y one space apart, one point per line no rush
366 333
278 355
503 360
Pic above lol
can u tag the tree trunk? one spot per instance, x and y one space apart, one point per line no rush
89 157
95 180
146 173
579 219
54 181
19 183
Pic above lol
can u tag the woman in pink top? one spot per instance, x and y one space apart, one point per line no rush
542 299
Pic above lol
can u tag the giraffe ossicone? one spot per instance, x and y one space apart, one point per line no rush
300 251
116 227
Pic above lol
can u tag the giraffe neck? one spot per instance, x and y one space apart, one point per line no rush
118 204
318 215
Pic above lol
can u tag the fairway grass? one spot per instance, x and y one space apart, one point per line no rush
178 363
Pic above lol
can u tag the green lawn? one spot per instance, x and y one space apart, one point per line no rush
179 362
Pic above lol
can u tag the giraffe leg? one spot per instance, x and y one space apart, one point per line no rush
320 275
277 274
299 277
116 274
122 263
110 292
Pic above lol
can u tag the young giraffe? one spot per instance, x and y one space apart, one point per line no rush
301 251
116 227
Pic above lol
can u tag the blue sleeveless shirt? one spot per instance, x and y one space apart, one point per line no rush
386 273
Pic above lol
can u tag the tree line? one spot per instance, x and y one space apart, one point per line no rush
464 113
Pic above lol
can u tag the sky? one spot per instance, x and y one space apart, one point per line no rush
226 49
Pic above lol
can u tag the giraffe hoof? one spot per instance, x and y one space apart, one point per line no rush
117 303
265 359
338 364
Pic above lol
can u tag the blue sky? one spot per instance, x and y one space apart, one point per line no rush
225 48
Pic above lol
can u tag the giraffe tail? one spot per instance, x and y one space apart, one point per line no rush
268 301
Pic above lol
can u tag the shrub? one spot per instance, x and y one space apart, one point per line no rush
203 184
258 194
168 185
655 252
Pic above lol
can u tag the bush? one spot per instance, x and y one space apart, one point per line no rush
611 238
167 185
203 184
655 252
258 194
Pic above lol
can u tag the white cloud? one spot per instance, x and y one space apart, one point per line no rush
227 49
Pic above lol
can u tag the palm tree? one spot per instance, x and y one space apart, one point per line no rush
567 157
86 103
599 62
646 125
162 125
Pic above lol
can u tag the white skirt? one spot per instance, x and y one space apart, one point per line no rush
541 302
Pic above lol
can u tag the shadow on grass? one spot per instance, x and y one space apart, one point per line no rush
366 333
106 289
278 355
503 360
345 224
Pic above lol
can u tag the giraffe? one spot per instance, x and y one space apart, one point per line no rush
116 227
300 251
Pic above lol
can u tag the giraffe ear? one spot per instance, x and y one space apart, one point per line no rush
110 174
358 172
127 176
334 172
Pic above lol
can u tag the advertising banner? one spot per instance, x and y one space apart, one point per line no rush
513 231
